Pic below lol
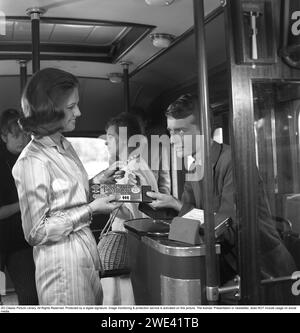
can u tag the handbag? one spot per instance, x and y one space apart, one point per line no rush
113 250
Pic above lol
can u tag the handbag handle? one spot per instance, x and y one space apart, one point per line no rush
109 222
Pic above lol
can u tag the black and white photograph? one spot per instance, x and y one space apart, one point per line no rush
149 160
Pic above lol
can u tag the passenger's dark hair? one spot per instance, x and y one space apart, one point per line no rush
125 119
185 106
42 99
9 122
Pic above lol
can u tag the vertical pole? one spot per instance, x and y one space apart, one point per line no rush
23 74
35 35
212 278
244 168
35 14
126 85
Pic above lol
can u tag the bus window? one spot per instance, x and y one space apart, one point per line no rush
92 153
218 135
276 125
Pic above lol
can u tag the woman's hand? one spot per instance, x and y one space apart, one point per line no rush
109 175
133 179
105 205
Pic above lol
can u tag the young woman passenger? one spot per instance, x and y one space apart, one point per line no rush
15 253
158 155
118 290
53 192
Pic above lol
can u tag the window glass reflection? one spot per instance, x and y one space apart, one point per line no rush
276 125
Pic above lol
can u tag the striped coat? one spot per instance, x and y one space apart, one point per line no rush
53 192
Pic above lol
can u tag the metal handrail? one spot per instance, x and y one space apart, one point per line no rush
212 278
279 279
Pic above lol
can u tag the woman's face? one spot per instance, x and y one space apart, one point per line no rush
71 109
112 143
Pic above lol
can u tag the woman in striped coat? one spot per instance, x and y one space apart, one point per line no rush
53 191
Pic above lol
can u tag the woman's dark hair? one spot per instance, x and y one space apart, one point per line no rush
130 121
42 100
9 122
